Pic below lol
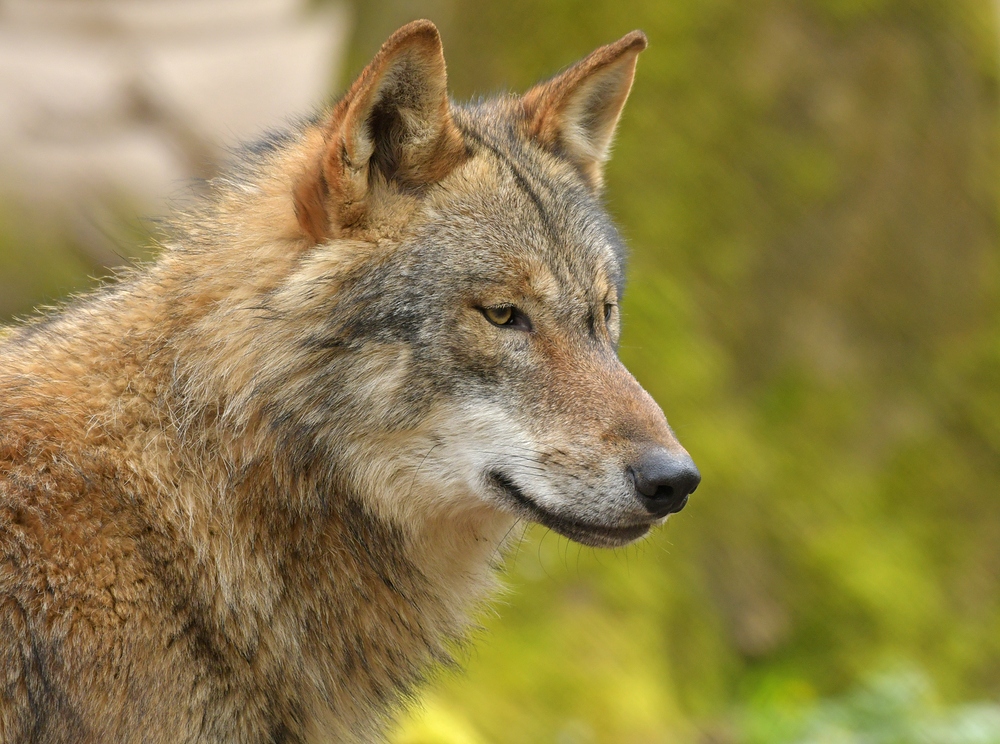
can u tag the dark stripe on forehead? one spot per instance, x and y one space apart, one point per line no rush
522 181
506 146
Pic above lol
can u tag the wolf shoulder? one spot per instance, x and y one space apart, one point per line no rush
76 591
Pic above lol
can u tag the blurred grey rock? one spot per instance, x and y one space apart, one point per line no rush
105 100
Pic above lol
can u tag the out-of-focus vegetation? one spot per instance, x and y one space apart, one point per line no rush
897 708
810 192
46 254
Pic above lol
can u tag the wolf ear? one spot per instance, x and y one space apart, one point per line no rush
575 113
394 125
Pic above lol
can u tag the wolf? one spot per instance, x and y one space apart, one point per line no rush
252 491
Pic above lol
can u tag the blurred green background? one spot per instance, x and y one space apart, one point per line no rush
810 192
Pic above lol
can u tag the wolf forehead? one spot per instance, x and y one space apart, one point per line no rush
513 209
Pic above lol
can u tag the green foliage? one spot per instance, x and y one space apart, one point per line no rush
899 708
43 259
809 189
35 270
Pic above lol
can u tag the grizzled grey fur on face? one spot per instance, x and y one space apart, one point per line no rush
253 490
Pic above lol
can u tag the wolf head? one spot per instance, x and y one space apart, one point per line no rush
452 317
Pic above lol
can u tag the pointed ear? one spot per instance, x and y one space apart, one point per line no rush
575 113
393 125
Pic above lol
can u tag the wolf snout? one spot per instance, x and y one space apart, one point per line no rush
664 480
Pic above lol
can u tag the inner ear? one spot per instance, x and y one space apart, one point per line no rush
575 114
385 127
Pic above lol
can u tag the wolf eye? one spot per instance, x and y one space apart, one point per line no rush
506 316
499 315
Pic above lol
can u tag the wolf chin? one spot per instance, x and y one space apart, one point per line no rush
250 492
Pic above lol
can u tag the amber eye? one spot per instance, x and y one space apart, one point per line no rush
499 316
506 316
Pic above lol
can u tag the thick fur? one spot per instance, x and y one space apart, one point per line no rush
250 492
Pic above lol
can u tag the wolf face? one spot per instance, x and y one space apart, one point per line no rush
495 294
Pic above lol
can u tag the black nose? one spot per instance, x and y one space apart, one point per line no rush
664 480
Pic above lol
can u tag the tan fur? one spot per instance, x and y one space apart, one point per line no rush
251 492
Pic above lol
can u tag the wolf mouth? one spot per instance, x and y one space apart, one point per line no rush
588 533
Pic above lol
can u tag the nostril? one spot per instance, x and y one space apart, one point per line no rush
664 492
664 480
643 484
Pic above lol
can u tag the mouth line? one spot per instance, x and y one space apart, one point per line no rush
595 535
